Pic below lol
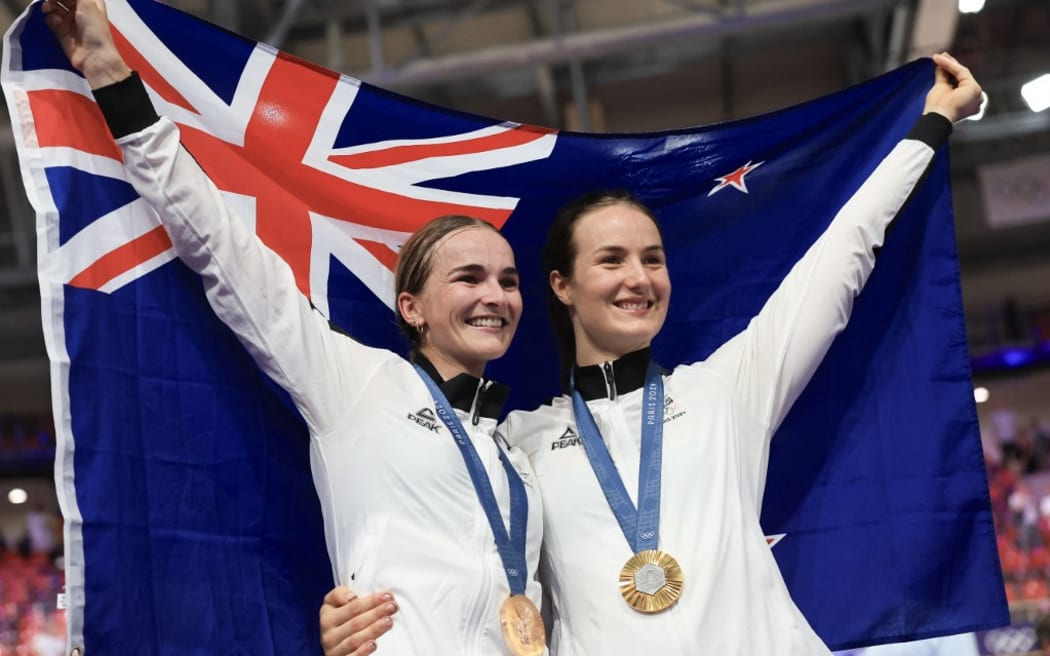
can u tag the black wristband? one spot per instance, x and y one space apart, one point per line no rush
932 129
126 106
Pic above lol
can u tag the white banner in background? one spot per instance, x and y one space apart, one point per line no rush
1016 192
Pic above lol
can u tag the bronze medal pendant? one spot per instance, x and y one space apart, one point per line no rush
522 627
519 620
651 581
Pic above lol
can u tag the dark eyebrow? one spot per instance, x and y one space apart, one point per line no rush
477 268
621 249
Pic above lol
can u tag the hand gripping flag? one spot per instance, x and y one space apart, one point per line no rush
192 524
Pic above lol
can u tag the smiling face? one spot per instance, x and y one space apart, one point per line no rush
470 304
619 289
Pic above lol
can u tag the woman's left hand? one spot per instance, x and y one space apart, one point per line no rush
955 93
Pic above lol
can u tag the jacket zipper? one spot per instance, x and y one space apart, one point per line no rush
475 406
610 381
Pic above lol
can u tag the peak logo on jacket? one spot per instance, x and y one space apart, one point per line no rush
570 438
426 418
567 439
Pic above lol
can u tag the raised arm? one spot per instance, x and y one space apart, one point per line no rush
249 287
773 359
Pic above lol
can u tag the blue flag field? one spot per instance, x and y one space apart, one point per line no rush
192 525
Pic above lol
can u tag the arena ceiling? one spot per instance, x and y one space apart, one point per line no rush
630 65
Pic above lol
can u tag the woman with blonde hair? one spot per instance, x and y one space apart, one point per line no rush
418 498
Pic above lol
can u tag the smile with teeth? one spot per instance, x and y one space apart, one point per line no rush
633 306
486 322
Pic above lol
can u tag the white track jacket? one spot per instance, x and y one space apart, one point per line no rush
719 417
400 511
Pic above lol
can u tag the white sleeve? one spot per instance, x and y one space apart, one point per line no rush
772 360
250 288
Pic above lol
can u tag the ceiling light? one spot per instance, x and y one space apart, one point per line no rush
1037 93
971 6
980 394
17 496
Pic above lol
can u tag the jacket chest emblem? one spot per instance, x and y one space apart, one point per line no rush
568 438
425 418
671 411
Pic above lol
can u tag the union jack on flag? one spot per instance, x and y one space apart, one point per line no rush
183 472
286 147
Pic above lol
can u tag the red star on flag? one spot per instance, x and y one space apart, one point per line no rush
772 540
735 179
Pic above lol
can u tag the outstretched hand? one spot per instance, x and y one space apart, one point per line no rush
955 93
82 29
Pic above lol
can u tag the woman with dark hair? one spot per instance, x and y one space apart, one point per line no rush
674 522
663 494
415 492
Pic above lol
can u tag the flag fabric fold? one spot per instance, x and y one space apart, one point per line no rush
183 472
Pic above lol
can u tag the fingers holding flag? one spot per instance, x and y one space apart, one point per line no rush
82 29
60 17
955 93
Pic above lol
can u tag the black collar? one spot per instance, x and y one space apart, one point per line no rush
625 374
461 389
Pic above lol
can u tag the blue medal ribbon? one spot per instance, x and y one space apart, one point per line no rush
640 526
511 547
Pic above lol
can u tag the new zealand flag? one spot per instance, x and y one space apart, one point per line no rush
183 474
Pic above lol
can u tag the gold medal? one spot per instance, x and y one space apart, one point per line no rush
522 627
651 581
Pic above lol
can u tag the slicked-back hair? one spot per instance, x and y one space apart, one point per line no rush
415 263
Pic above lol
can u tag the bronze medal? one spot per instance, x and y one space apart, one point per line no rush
522 627
651 581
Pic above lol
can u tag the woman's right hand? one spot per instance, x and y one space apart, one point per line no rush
351 624
955 93
82 29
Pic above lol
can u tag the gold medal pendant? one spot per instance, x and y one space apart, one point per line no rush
522 627
651 581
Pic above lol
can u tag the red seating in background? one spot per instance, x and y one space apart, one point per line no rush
29 588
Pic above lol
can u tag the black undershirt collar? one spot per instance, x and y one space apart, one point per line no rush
627 375
461 389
